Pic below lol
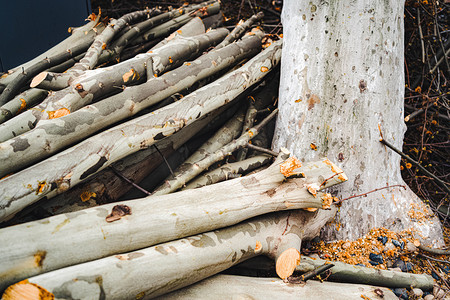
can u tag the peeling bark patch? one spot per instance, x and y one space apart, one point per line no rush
130 256
60 225
94 168
161 250
20 144
270 192
135 255
312 101
70 288
118 211
201 241
39 258
362 85
247 182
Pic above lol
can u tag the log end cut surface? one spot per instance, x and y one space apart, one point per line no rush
287 262
25 290
38 79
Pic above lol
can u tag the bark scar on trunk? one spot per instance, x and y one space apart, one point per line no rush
118 212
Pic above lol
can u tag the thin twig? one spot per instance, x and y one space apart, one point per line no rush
129 181
261 149
365 194
165 160
438 274
421 36
311 274
435 259
443 184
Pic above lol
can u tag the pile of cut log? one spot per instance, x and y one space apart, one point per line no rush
135 162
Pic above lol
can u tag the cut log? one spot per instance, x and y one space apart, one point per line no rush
106 186
68 168
21 102
94 84
343 272
160 269
92 118
206 9
154 220
239 287
113 52
240 29
227 171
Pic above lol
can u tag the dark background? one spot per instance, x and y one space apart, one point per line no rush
30 27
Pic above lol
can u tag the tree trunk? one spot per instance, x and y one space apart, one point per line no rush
229 287
154 271
92 233
342 85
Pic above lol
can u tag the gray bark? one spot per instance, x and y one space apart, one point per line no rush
342 82
190 172
68 168
21 102
343 272
160 269
106 186
229 287
94 84
79 35
53 135
228 171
